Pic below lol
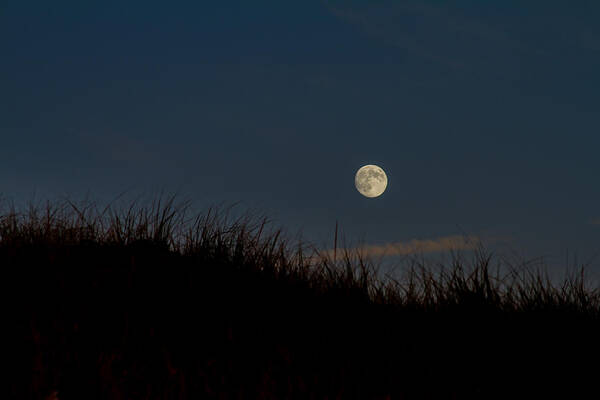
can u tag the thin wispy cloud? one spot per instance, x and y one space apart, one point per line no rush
471 41
415 246
120 148
439 34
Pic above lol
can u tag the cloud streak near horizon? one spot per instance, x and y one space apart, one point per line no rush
415 246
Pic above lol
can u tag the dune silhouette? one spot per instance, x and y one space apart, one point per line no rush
151 302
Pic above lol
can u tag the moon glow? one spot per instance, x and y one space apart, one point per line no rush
370 180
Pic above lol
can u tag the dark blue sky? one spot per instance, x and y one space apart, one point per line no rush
485 115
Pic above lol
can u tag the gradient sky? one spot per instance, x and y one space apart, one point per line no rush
485 115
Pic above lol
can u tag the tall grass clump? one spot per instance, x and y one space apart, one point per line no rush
152 301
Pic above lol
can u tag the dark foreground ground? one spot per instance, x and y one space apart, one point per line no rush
90 314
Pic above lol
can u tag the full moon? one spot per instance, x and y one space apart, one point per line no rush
370 181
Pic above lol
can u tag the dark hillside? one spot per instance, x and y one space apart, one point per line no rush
145 304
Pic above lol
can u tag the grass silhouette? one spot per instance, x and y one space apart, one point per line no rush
150 302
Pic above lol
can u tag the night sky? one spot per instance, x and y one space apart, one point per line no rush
484 115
